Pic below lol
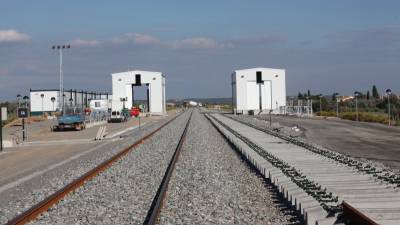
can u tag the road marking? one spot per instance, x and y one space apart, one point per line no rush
51 167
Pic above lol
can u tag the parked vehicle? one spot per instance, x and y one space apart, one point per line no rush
119 116
72 119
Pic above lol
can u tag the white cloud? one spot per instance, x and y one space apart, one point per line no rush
264 40
136 38
198 43
13 36
86 43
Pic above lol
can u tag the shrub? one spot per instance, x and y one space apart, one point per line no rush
366 117
326 113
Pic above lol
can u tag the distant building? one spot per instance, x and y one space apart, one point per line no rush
123 85
345 98
49 100
260 90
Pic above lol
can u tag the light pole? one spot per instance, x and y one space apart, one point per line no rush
320 104
19 100
42 96
24 132
123 100
307 106
337 104
356 94
53 99
60 50
70 102
388 92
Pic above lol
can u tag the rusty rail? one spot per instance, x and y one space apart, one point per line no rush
36 210
355 217
156 206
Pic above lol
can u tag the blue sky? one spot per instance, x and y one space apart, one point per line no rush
325 46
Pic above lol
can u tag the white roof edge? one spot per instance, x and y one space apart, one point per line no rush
259 68
136 71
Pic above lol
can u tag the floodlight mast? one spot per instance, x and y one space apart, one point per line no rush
60 50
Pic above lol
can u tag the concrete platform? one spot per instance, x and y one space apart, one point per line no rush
342 181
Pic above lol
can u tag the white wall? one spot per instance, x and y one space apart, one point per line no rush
246 90
102 104
36 101
121 88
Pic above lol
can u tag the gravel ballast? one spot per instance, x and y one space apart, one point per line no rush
212 184
24 196
123 193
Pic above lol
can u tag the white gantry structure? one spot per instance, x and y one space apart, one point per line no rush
260 90
123 90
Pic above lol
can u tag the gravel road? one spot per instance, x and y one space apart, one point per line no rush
212 184
24 196
123 193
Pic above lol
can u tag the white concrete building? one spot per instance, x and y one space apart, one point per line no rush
41 100
123 90
258 89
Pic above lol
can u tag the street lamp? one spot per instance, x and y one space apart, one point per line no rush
53 99
388 92
356 94
60 50
42 96
19 100
123 100
26 101
337 104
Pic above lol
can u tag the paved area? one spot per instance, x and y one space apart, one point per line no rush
40 131
375 142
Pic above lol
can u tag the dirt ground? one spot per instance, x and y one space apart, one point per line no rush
372 141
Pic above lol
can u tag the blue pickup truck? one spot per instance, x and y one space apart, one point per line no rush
75 121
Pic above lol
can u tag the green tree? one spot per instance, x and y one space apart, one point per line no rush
375 93
300 95
368 95
308 93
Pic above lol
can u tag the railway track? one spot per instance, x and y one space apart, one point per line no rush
325 187
43 206
155 209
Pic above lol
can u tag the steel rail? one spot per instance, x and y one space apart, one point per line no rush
157 204
36 210
354 216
